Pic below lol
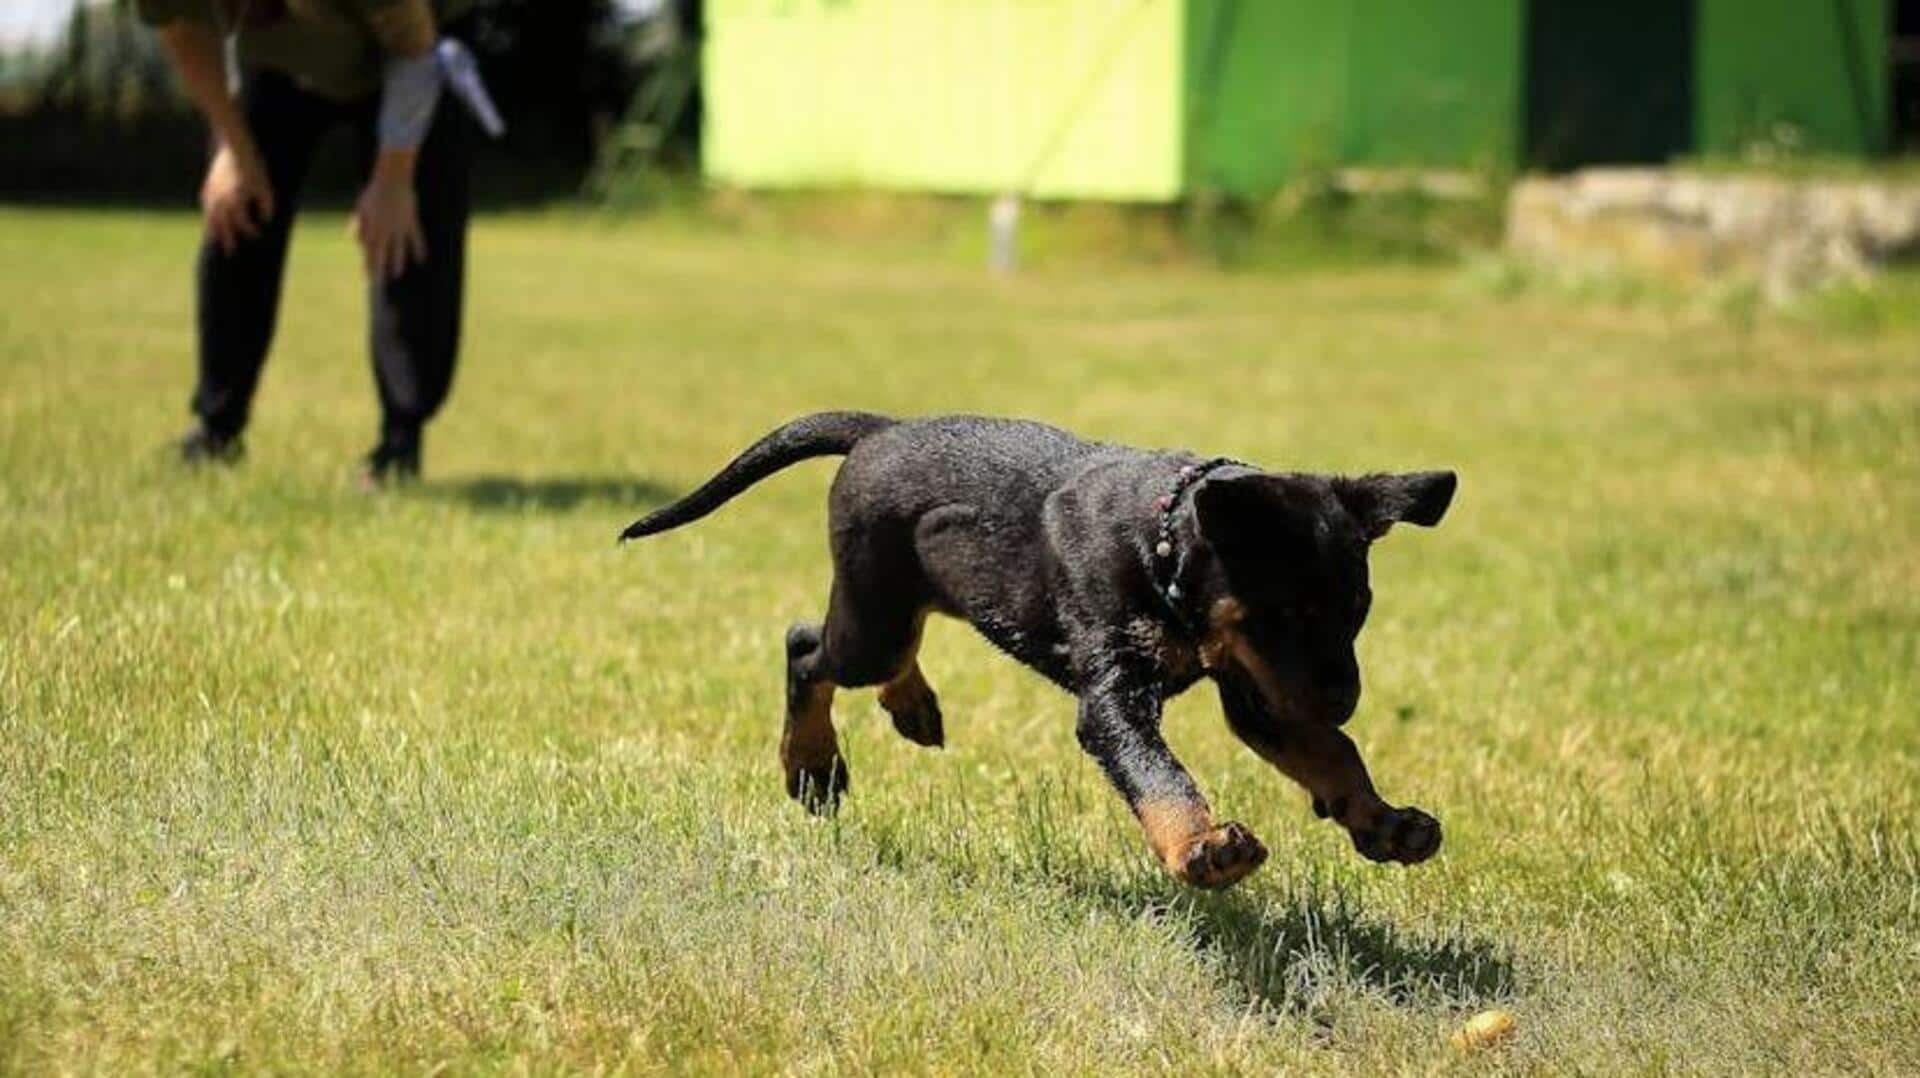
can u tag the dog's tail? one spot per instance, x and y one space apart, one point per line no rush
819 435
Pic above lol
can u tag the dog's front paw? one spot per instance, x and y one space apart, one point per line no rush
1406 835
1221 857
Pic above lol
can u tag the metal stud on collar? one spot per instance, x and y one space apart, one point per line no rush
1166 567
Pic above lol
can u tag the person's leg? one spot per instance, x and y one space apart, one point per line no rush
414 319
239 290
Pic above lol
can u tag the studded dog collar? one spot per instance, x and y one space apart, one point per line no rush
1168 557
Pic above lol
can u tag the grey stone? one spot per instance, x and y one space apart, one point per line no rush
1787 235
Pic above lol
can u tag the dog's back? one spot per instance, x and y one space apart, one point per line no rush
1005 467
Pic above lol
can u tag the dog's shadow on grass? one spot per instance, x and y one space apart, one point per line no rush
550 494
1294 951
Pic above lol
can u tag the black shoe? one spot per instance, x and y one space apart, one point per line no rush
391 463
202 446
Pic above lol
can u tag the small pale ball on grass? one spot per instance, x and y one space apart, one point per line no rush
1484 1030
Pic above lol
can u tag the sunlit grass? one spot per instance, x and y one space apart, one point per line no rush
292 778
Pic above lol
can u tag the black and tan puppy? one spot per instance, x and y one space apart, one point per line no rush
1122 575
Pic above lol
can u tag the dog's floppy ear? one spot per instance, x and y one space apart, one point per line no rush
1250 513
1379 502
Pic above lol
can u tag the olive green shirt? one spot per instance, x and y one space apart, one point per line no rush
331 47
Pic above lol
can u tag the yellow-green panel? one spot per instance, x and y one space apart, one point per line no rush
1052 98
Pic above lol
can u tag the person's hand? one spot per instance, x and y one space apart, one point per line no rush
386 221
236 196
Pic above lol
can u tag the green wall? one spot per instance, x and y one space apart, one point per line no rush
1054 98
1275 85
1266 86
1436 83
1820 65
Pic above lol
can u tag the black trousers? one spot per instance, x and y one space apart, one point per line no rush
413 320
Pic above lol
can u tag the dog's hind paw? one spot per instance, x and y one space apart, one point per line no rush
915 709
1221 857
1406 835
818 787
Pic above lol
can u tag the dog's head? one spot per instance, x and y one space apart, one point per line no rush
1289 592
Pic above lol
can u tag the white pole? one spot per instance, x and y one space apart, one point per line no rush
1003 233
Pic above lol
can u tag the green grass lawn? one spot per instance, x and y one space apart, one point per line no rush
298 779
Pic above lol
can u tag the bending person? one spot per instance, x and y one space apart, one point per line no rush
305 67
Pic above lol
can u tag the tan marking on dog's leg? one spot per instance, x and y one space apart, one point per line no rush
810 749
906 687
1172 828
1328 764
1193 849
809 735
910 700
907 677
914 708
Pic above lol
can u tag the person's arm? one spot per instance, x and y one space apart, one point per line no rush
236 197
386 219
